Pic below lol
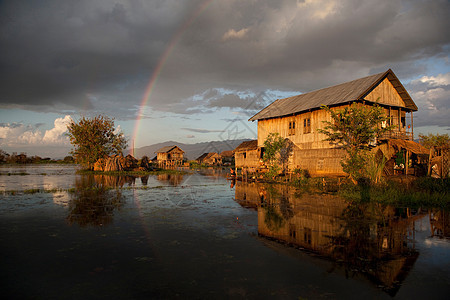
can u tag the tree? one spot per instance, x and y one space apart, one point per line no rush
356 129
3 156
94 138
276 151
435 140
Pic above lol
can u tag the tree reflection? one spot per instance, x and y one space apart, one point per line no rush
94 200
374 241
361 238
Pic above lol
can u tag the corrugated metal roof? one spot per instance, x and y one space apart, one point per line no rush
338 94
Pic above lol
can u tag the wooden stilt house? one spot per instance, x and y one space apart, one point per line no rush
298 119
169 156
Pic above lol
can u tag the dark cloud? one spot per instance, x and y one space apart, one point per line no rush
11 125
100 55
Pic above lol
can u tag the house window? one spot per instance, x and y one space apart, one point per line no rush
307 235
320 164
291 128
244 154
307 125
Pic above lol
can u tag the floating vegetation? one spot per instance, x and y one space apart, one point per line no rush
132 173
14 174
423 192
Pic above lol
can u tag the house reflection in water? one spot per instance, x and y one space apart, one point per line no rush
171 179
115 181
366 239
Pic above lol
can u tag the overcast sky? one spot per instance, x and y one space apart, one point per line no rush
216 63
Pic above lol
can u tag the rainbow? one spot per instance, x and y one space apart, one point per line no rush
161 62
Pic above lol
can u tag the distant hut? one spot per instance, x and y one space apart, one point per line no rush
169 156
248 155
211 158
227 157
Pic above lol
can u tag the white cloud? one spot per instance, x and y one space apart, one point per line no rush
439 80
19 134
56 134
235 35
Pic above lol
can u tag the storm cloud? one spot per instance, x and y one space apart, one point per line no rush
67 57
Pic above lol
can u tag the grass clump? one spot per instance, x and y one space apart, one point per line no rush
423 192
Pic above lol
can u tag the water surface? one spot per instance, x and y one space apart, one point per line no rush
201 236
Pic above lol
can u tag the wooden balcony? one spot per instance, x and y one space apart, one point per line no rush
401 135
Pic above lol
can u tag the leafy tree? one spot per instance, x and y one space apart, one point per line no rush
94 138
435 140
276 151
355 129
272 146
3 156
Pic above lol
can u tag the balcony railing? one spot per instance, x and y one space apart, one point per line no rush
397 135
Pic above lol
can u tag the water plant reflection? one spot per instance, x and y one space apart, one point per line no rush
95 199
362 239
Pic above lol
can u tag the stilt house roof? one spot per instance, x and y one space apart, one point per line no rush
351 91
168 149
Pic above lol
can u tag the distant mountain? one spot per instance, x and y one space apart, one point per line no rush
192 151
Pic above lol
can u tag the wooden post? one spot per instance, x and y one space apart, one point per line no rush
390 121
407 162
399 119
429 162
412 127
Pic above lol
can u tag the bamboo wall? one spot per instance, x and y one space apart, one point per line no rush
319 162
310 140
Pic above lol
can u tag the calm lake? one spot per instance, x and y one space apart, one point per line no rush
198 235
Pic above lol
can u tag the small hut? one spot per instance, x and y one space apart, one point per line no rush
248 155
170 156
227 157
211 158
